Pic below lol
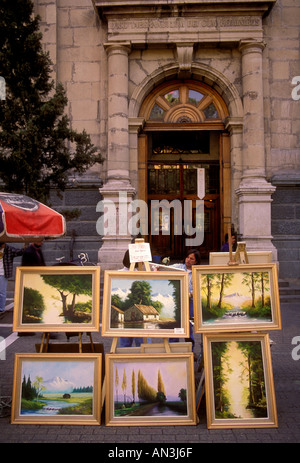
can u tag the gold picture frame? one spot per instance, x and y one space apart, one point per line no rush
150 390
58 298
57 389
145 304
254 257
239 386
236 298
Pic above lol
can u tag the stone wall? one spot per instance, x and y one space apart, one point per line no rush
76 37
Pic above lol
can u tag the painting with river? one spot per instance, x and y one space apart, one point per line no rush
56 387
151 389
236 299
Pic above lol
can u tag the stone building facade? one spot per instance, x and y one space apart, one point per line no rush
175 93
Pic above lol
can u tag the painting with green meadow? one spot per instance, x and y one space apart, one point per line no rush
61 388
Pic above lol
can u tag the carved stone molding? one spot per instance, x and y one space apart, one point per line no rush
185 58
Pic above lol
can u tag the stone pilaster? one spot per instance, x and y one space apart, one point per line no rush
254 192
117 192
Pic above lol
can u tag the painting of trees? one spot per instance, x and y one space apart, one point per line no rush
238 379
33 305
238 295
69 286
148 389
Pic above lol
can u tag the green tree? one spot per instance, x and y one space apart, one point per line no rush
124 385
161 393
33 305
38 385
71 284
117 383
145 391
133 386
182 394
38 149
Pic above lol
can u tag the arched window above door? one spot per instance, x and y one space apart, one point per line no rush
184 103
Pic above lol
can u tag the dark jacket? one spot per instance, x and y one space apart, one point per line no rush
8 256
33 257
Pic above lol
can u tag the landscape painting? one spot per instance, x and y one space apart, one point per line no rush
149 389
58 388
242 298
145 304
239 381
57 299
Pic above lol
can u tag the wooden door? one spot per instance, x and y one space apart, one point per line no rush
175 185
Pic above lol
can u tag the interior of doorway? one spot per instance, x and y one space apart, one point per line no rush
174 161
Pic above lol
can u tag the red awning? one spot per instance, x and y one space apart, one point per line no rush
24 219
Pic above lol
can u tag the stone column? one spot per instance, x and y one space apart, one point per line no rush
254 192
117 192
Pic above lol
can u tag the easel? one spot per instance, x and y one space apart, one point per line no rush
231 260
115 339
240 253
46 338
132 268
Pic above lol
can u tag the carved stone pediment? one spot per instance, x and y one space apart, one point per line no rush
164 22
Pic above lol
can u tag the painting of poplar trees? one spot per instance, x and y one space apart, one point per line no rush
236 297
150 389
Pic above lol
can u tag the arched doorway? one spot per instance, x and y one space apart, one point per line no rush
183 137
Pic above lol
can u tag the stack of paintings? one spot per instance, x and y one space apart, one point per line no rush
57 388
233 306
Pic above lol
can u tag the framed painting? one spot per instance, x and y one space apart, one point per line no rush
175 347
145 304
150 389
57 389
59 298
236 298
239 386
254 257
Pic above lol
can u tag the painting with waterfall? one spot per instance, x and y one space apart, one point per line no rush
57 388
236 298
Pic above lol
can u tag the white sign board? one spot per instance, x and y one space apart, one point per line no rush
200 182
139 252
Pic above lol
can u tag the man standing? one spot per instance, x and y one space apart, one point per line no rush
7 255
33 255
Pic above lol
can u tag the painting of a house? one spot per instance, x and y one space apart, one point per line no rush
139 312
117 315
141 303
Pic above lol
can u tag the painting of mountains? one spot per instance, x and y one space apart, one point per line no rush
138 304
59 388
236 298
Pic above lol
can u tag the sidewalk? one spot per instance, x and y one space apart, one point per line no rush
287 388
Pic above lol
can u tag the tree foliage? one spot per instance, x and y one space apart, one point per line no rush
69 285
38 148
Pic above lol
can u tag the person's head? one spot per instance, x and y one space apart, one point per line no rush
2 245
193 257
38 244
